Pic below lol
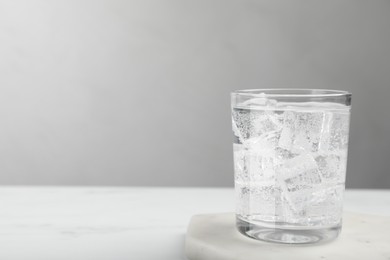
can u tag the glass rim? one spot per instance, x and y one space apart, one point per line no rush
291 92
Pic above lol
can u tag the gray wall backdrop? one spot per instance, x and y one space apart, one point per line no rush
136 92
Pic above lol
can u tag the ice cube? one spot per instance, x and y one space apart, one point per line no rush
302 142
268 168
282 155
298 166
253 123
310 126
267 121
264 144
261 199
324 137
329 200
287 133
248 165
328 166
301 130
298 177
252 167
286 138
261 101
240 172
328 195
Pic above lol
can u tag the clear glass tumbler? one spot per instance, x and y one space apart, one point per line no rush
290 160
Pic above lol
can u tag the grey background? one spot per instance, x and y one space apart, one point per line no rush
137 92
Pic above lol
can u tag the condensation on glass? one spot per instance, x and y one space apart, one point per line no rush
290 160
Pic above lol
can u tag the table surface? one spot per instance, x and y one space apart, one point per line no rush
118 223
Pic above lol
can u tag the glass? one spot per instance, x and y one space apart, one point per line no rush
290 160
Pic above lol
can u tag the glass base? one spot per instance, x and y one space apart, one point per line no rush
290 235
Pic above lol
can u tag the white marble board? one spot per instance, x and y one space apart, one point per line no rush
214 237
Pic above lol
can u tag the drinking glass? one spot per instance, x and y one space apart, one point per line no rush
290 160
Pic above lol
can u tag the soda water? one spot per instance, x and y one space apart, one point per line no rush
290 163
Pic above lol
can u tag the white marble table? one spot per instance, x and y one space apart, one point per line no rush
119 223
